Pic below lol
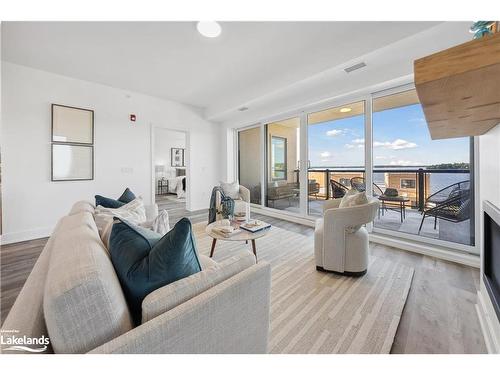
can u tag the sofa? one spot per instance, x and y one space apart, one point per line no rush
281 189
73 297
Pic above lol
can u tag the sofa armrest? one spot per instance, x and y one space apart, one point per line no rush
180 291
351 216
331 203
244 194
231 317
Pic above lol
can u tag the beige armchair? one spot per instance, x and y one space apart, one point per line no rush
242 204
340 240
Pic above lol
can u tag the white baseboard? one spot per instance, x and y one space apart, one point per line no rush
279 215
8 238
402 244
492 342
425 249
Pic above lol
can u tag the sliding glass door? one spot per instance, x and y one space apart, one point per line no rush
336 147
380 144
282 190
425 186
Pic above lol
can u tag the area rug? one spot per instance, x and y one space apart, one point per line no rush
316 312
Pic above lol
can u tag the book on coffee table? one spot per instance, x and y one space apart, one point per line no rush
224 231
255 226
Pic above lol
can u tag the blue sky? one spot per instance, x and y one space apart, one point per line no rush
400 137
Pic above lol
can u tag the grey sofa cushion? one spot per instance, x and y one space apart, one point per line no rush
174 294
84 305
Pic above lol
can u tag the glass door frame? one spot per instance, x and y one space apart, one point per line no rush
367 96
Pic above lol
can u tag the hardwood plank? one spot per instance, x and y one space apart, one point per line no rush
439 315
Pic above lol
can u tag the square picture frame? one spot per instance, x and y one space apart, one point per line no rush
177 157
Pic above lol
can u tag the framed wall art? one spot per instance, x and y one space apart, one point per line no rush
72 143
177 157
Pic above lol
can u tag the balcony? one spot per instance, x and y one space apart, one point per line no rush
420 190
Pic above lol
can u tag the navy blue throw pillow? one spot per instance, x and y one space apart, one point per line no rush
107 202
145 261
127 196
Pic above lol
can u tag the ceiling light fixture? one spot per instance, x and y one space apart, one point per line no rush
209 29
345 110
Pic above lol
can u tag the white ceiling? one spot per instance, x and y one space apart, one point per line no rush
249 62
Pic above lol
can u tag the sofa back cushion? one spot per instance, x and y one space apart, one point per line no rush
84 305
172 295
82 206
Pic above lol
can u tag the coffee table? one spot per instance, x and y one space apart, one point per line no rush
244 235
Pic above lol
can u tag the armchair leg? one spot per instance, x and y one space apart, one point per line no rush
421 223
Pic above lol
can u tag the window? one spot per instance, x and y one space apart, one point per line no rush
278 158
432 179
336 145
407 184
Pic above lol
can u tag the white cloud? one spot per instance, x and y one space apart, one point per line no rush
334 133
404 163
417 119
398 144
325 154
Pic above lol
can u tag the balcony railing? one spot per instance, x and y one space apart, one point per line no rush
417 183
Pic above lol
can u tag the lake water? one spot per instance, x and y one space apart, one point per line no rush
437 181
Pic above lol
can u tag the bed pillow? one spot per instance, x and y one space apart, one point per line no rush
127 196
145 261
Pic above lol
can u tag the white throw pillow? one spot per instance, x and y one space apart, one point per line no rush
231 189
353 198
133 212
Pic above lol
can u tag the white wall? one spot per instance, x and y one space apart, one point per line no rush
489 187
32 204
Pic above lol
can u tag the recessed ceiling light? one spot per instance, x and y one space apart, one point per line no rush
346 109
210 29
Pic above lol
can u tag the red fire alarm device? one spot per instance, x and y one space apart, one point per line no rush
132 118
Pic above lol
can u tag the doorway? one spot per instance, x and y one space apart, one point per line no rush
169 169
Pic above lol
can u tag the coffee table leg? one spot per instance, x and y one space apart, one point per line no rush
214 241
254 249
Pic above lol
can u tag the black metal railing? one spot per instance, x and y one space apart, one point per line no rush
421 187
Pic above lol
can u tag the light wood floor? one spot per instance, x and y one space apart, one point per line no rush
439 316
